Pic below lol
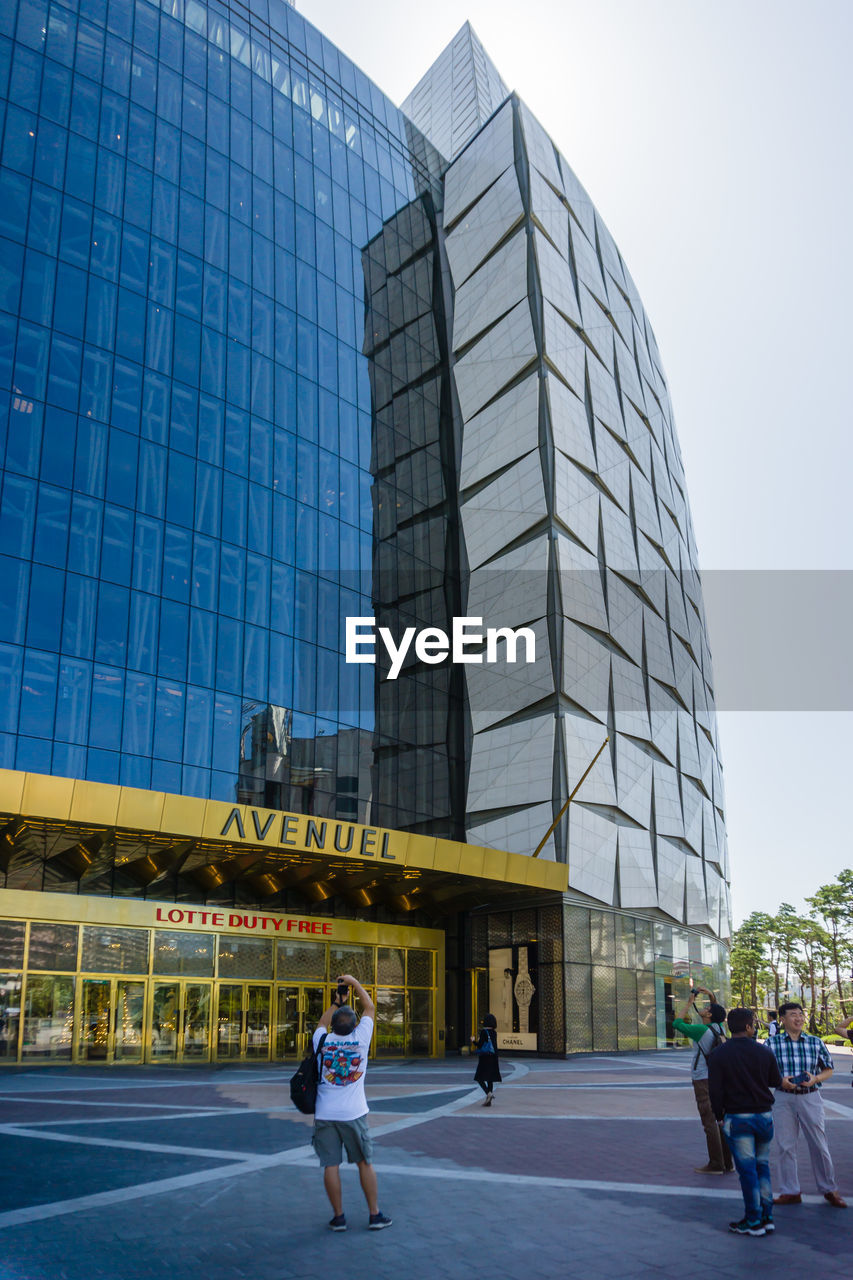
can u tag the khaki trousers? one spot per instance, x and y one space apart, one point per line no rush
719 1156
794 1113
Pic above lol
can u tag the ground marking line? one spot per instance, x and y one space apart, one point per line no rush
38 1100
838 1109
567 1184
47 1135
116 1120
495 1113
84 1084
39 1212
530 1085
188 1108
648 1065
200 1114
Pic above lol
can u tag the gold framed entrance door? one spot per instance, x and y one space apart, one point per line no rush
112 1018
298 1010
180 1021
243 1022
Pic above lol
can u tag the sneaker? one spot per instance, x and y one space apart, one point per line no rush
747 1228
338 1223
768 1224
378 1221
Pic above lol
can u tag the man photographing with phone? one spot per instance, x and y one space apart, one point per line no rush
340 1118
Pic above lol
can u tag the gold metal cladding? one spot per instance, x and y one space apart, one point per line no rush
80 831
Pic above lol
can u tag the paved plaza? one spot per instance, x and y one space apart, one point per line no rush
581 1168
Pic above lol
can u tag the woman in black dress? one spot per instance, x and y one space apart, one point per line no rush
488 1072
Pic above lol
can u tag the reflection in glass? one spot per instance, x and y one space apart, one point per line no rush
187 953
53 946
301 960
10 1014
390 966
419 1023
287 1022
419 968
110 950
12 944
196 1020
48 1017
128 1017
164 1022
94 1031
229 1021
258 1022
390 1037
245 958
352 959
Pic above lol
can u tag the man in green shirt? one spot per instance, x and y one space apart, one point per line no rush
705 1035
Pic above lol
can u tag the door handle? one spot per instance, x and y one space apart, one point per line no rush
115 1020
246 1023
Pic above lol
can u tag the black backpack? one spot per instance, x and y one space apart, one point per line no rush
718 1040
306 1078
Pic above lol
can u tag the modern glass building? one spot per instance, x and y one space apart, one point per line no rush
274 354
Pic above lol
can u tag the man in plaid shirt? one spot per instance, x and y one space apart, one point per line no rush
804 1063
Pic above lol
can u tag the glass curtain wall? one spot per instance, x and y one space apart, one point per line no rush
186 512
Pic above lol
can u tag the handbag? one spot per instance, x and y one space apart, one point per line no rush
305 1080
487 1046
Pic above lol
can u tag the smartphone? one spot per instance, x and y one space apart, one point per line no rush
802 1078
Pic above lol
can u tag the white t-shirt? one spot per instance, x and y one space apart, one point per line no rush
343 1064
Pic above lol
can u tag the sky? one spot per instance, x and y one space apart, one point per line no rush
715 142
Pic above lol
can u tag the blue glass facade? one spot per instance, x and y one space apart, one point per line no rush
187 189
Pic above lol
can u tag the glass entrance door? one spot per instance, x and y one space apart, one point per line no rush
298 1010
180 1022
243 1022
112 1016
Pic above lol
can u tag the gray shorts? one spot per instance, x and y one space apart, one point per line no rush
330 1136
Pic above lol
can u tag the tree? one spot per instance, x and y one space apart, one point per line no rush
784 930
811 962
749 966
832 904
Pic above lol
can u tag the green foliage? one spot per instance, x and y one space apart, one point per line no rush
785 955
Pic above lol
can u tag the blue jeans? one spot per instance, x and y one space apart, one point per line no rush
749 1137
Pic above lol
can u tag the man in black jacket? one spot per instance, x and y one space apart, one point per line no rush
741 1075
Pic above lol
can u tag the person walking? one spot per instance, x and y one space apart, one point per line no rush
741 1077
706 1035
340 1117
488 1072
805 1064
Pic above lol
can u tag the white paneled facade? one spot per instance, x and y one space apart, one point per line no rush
575 522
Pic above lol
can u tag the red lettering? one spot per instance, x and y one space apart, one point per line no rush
254 923
304 926
176 916
316 927
277 923
327 928
204 915
190 917
234 921
290 925
217 919
159 915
